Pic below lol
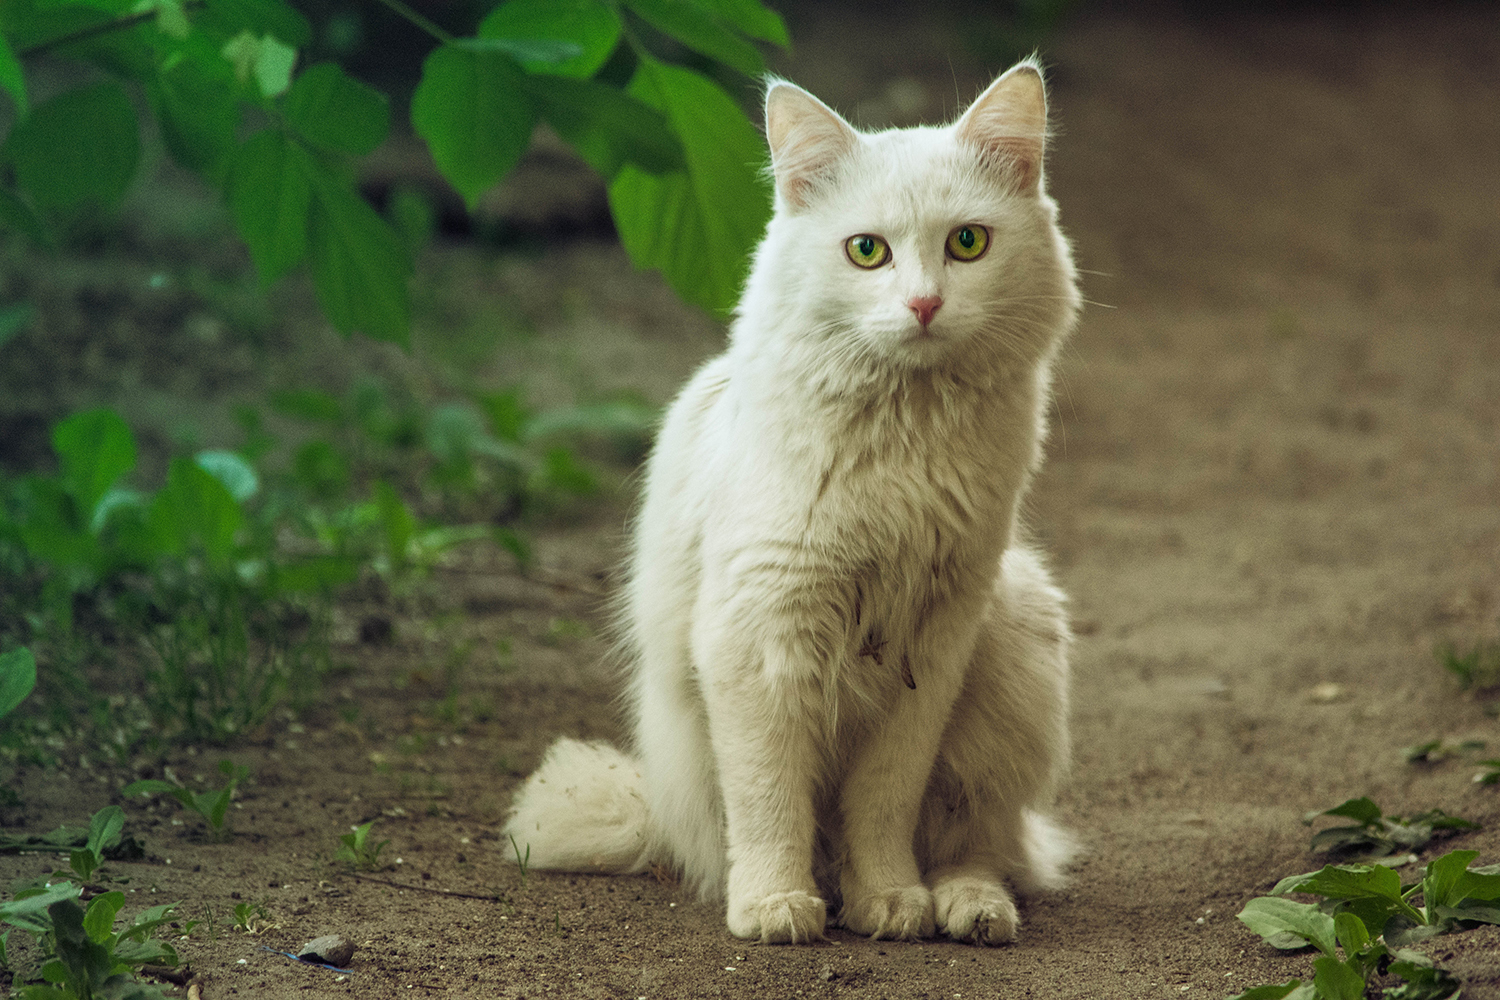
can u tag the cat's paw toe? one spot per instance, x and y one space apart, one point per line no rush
904 913
794 917
976 910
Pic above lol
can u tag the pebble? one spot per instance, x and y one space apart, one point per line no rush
330 949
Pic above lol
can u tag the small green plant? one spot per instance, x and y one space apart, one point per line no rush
1437 751
1478 669
1374 834
83 957
251 918
1491 773
105 829
1366 912
212 805
192 568
523 862
112 845
357 849
17 678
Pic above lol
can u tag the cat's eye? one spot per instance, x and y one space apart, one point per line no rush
867 251
968 242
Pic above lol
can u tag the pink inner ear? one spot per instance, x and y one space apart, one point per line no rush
1008 124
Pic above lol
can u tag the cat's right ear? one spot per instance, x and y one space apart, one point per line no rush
807 140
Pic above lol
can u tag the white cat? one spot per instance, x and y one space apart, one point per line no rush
848 672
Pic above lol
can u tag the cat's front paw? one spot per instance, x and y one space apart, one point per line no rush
905 913
794 917
976 910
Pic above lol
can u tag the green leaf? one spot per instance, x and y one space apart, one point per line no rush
332 109
1444 875
264 59
476 115
522 50
1335 980
53 971
197 112
18 215
270 196
593 26
237 475
1345 882
148 920
25 911
12 78
50 529
114 7
79 148
83 862
99 919
193 512
360 265
86 962
1477 912
701 31
1362 809
1269 916
1294 990
697 226
17 678
262 17
1424 980
750 17
1401 929
151 952
397 523
104 829
607 127
94 448
213 805
1351 932
1479 883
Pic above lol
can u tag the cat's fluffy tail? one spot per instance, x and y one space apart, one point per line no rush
582 810
1049 850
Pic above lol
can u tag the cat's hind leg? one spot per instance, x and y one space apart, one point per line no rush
1002 754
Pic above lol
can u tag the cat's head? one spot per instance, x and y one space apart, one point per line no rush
914 248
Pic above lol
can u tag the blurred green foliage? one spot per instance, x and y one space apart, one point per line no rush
237 100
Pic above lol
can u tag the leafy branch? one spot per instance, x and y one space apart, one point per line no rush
680 157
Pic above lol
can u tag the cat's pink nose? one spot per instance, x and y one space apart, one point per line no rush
925 307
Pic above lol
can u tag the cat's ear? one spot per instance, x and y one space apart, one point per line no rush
1008 125
807 140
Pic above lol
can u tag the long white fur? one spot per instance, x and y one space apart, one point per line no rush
830 518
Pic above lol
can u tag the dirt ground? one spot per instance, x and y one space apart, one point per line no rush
1273 489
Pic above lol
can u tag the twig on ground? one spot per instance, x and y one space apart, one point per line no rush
492 897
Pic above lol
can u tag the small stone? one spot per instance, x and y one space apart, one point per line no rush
1326 693
330 949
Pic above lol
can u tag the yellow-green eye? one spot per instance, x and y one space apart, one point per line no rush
968 242
867 251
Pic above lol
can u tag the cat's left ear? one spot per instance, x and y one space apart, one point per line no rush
1007 124
807 139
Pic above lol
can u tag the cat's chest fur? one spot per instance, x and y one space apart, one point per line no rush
853 520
